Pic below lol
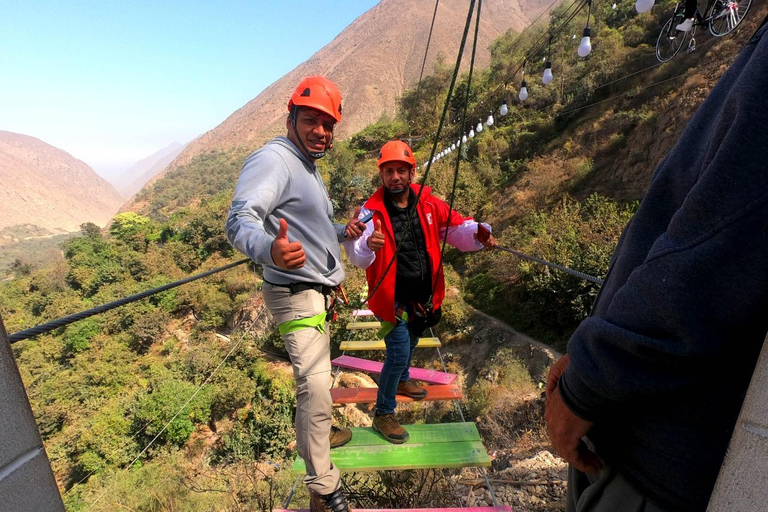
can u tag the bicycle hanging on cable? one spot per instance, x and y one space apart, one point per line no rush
721 16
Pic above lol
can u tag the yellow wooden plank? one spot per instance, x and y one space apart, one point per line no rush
353 326
379 344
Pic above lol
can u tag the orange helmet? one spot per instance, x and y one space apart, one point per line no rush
396 151
319 93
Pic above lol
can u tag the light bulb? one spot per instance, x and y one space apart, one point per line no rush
523 92
613 6
464 138
642 6
479 127
573 36
453 147
504 110
547 76
585 47
471 133
489 121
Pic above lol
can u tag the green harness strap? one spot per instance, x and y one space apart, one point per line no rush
386 327
313 322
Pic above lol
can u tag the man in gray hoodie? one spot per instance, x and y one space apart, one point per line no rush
282 218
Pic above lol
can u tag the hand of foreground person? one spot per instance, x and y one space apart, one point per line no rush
566 430
376 240
555 372
355 227
285 254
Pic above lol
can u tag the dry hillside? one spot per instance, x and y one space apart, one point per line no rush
49 188
373 61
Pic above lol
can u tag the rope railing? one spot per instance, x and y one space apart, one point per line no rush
61 322
549 264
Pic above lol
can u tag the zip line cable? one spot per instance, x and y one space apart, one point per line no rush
620 95
189 400
424 61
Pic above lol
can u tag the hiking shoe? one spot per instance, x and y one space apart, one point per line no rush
334 502
685 26
411 390
339 436
386 425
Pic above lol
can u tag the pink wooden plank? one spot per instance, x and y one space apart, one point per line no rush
466 509
362 312
420 374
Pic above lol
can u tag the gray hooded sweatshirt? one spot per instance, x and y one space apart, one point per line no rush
278 181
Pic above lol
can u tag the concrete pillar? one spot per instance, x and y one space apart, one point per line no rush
26 479
742 485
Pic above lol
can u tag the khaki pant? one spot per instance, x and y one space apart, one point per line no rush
310 353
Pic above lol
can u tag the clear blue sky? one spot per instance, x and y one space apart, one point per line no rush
113 81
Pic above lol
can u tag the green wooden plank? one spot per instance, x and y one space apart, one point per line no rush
442 445
406 456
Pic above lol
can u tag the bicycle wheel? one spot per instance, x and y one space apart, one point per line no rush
670 40
726 16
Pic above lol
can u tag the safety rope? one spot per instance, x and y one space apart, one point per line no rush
576 273
458 153
61 322
434 148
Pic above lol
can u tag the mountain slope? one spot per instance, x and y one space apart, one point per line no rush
372 61
144 170
49 188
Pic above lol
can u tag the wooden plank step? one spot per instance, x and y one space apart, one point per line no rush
368 395
362 312
420 374
451 509
355 326
380 345
441 445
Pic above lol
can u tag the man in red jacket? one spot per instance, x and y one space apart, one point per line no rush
412 289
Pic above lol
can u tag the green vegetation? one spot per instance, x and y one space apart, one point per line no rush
103 388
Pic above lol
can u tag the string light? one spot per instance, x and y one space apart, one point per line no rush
523 95
479 127
642 6
504 110
585 47
547 76
489 121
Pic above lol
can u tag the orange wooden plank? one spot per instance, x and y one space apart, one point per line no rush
368 395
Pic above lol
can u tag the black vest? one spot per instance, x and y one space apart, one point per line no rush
413 281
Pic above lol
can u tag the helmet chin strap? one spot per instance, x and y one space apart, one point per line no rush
313 155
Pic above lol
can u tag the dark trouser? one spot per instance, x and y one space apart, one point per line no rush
400 342
607 491
690 8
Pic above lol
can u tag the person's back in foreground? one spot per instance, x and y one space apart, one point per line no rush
655 377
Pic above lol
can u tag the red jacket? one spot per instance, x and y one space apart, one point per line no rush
433 214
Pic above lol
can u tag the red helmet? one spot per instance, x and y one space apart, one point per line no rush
319 93
396 151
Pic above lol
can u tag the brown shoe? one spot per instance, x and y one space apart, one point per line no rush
334 502
409 389
386 425
339 436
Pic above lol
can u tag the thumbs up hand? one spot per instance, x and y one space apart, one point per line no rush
355 227
285 254
376 240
